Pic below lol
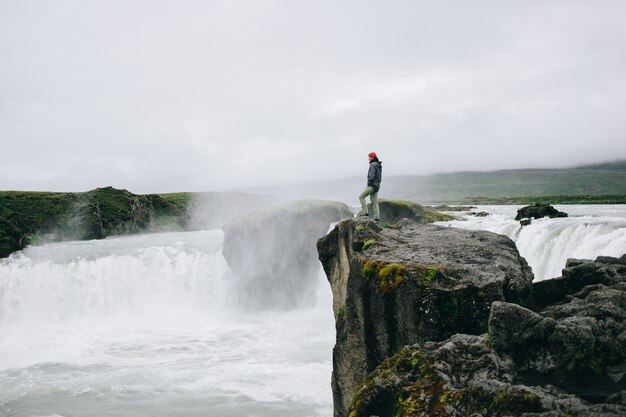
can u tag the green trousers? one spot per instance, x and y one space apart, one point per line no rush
369 191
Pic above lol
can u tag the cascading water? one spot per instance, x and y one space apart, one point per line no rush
144 326
588 232
147 326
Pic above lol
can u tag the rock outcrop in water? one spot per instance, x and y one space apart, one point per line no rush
272 253
435 321
538 211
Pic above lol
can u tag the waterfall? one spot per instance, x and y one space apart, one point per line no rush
149 324
546 244
113 279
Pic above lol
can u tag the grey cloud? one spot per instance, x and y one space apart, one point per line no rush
194 95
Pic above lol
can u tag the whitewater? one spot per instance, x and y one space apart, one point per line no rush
146 325
588 231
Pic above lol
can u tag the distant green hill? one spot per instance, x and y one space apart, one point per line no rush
512 183
590 180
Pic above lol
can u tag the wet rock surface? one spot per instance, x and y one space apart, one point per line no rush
410 304
577 344
538 211
392 211
408 284
464 376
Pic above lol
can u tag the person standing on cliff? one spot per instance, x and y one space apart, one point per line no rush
374 177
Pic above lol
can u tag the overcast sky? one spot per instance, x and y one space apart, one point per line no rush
158 96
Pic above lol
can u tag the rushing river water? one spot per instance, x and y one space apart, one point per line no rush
146 326
589 231
143 326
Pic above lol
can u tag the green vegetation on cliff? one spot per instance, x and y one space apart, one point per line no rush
26 217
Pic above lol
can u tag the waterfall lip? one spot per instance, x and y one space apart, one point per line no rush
60 252
589 231
130 278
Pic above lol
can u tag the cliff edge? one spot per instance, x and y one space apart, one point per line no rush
408 284
437 321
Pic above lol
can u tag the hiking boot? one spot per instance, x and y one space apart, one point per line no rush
362 214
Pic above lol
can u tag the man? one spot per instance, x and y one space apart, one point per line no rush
374 177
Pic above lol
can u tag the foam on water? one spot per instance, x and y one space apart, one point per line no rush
147 326
143 326
588 232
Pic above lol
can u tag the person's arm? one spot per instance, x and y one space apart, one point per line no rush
371 175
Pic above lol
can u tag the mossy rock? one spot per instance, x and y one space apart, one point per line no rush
538 211
460 377
478 214
392 211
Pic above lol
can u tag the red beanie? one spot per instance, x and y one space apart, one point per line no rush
372 155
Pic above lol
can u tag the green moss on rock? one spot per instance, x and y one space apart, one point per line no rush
414 383
392 211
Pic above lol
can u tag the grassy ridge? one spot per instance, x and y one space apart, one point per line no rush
26 216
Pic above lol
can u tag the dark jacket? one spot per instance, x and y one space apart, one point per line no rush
375 174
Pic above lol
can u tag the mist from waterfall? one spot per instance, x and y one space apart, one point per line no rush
152 325
149 325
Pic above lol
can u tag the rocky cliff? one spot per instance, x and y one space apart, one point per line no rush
409 284
435 321
272 255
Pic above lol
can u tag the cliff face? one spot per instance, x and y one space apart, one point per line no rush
566 359
435 321
412 283
272 252
578 343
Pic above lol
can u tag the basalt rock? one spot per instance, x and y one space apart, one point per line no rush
565 359
577 274
478 214
538 211
409 284
577 344
464 376
272 253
